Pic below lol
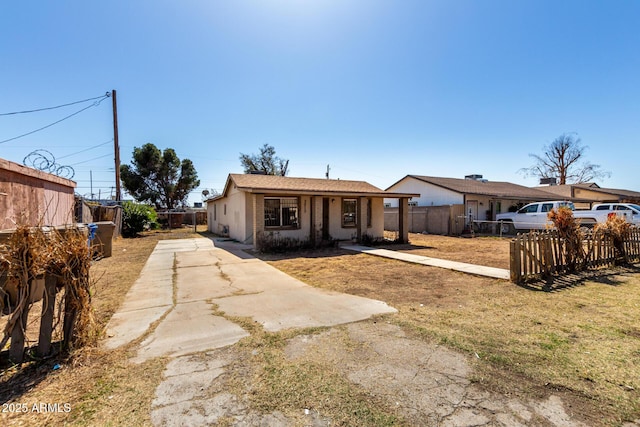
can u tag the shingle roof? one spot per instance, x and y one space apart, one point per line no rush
612 191
561 190
311 186
566 190
505 190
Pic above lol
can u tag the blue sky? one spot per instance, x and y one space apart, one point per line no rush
377 89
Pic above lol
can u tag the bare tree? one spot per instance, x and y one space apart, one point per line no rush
266 162
563 159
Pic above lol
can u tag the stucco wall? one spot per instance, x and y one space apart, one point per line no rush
584 193
337 231
430 195
228 216
478 206
238 220
431 219
304 217
377 221
31 197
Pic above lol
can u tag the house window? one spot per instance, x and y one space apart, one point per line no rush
281 212
349 210
369 212
225 209
215 216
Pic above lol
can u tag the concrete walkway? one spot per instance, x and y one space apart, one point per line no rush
184 282
480 270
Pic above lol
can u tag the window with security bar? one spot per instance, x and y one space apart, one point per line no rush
349 210
281 212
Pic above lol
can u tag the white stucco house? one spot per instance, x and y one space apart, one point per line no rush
253 206
482 199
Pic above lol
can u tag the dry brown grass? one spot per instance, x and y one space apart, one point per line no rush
489 251
102 387
581 341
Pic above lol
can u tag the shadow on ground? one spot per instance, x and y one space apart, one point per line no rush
17 380
610 277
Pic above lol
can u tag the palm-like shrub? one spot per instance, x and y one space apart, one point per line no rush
137 217
571 236
617 228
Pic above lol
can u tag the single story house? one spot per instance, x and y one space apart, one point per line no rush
471 199
32 197
254 207
593 193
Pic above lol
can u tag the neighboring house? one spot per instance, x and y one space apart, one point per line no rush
32 197
253 207
478 199
593 193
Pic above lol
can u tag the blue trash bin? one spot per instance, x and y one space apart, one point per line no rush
92 232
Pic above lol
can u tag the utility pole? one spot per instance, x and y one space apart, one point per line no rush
116 147
328 169
91 183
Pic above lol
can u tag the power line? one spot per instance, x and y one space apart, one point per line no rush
86 149
95 104
95 158
106 95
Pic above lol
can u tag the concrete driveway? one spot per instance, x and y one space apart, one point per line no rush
185 282
175 309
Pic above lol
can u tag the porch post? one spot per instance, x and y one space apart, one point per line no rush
361 217
258 219
403 219
312 220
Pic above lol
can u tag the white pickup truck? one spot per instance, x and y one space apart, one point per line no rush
534 215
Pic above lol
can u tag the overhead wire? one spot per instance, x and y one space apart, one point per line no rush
89 160
87 149
95 104
106 95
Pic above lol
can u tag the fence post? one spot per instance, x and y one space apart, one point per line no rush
514 260
547 259
46 321
70 317
16 351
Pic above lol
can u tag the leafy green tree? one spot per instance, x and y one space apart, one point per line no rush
159 178
266 162
563 159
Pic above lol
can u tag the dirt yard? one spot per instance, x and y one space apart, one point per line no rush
538 346
461 350
488 251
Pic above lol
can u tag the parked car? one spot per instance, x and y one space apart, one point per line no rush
534 216
630 211
531 217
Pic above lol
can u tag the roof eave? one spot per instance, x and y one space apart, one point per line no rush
276 191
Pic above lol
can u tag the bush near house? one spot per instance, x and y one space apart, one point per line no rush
137 217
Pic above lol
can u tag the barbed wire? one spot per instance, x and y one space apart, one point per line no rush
45 161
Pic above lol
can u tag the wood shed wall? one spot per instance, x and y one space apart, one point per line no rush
32 197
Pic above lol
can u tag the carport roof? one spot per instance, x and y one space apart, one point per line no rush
284 185
498 189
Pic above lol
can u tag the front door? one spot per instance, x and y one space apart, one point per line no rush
472 211
325 218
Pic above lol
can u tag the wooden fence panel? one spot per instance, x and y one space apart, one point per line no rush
537 255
